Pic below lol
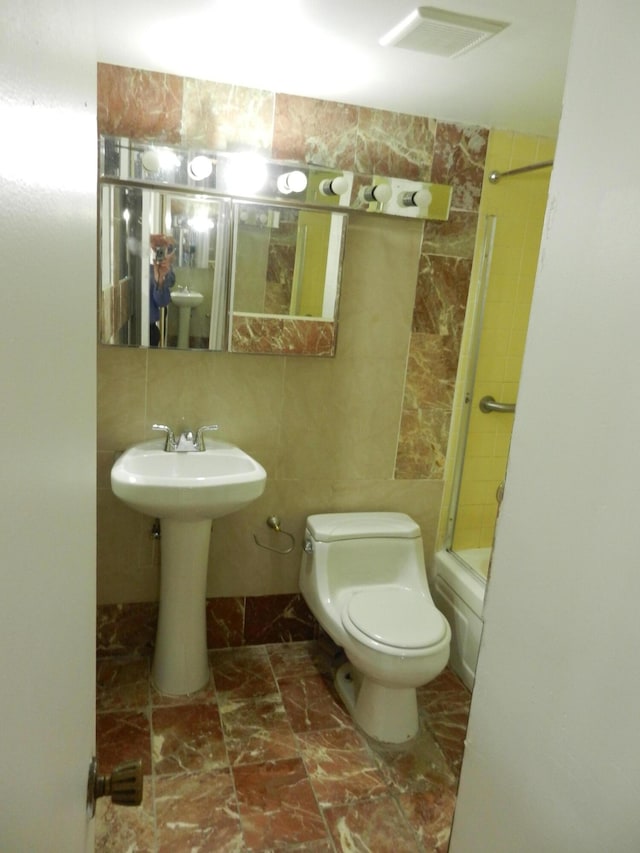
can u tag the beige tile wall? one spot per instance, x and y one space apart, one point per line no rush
325 430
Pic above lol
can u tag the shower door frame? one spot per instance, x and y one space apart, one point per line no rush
476 321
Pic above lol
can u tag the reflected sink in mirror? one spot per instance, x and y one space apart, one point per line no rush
189 486
186 298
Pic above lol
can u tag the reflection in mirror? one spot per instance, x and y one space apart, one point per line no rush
163 268
286 269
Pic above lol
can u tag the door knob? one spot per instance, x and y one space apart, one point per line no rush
123 785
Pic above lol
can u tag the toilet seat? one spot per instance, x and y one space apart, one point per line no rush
394 617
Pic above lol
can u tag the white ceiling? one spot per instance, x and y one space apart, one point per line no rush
329 49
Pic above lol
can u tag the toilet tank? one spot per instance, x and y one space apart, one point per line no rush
354 550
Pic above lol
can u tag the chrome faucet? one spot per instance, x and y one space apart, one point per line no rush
187 441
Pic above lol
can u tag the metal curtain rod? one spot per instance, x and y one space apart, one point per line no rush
494 177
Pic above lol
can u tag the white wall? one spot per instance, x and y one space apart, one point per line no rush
553 753
47 422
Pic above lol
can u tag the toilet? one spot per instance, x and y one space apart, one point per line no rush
363 577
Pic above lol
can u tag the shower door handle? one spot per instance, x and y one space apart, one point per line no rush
489 404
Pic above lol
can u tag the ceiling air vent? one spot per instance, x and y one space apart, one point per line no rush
440 32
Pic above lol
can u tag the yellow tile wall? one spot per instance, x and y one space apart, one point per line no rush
519 204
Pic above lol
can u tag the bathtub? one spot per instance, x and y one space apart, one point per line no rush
458 592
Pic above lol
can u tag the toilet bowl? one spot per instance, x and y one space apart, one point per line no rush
363 577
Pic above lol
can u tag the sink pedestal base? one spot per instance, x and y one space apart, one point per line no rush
184 322
180 662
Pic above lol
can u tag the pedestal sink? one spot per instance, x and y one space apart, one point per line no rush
185 490
185 300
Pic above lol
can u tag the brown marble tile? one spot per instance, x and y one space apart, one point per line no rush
139 104
418 765
297 660
309 130
431 371
123 736
441 295
122 684
372 825
394 144
279 279
455 237
197 811
187 738
354 779
206 694
256 730
444 706
278 619
282 336
126 629
340 767
277 805
222 116
458 160
242 673
430 814
444 692
423 443
311 704
126 828
225 622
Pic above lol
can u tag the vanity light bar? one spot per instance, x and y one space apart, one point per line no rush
246 174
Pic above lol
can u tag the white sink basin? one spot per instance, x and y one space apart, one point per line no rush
189 486
185 491
186 298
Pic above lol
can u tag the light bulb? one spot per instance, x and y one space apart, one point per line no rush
245 174
334 186
200 167
150 160
419 198
292 182
380 193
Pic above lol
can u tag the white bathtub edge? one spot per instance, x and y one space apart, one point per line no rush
461 579
459 595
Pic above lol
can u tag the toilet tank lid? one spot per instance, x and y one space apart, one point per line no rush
328 527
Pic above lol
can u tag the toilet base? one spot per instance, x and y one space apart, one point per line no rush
386 714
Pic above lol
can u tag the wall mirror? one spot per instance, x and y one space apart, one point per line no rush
163 268
285 278
231 251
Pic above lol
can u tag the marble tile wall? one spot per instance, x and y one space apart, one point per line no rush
281 335
129 629
114 310
367 429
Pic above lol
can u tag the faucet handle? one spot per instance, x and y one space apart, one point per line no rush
170 443
200 434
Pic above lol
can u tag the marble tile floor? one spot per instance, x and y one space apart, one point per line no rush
265 758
